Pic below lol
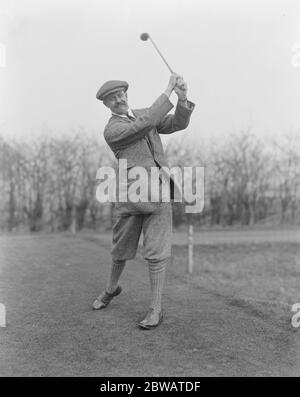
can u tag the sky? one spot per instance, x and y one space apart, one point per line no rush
235 55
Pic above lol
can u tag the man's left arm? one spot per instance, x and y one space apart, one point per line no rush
181 118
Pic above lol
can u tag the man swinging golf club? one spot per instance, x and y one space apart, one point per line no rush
134 135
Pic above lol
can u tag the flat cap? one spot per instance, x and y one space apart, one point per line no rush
110 87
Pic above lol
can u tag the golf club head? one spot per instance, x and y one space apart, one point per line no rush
144 36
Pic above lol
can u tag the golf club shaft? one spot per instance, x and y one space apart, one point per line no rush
162 57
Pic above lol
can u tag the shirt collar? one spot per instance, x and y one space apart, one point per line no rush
124 115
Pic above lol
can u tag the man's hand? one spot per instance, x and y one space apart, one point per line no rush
172 83
181 89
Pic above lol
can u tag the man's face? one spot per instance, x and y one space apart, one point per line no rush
117 102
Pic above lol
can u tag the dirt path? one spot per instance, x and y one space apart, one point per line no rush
49 282
240 236
211 237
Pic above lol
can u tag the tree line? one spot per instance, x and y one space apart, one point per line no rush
49 183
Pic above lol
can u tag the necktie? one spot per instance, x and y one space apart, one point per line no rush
130 117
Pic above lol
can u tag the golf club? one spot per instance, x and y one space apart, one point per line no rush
145 37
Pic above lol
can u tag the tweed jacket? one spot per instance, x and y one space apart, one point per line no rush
138 140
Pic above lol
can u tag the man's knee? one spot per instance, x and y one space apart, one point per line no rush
157 254
119 261
158 264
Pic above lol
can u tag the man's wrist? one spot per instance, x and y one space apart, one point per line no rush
182 99
168 91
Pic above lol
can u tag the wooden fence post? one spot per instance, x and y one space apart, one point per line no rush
73 224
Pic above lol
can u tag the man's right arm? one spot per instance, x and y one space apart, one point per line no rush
121 132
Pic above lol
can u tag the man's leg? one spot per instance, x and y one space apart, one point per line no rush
157 271
116 270
126 234
157 230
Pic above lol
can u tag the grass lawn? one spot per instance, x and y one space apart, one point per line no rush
264 272
232 317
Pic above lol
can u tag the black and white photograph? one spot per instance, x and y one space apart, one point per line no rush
149 191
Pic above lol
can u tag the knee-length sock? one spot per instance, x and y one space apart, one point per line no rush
157 271
115 273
